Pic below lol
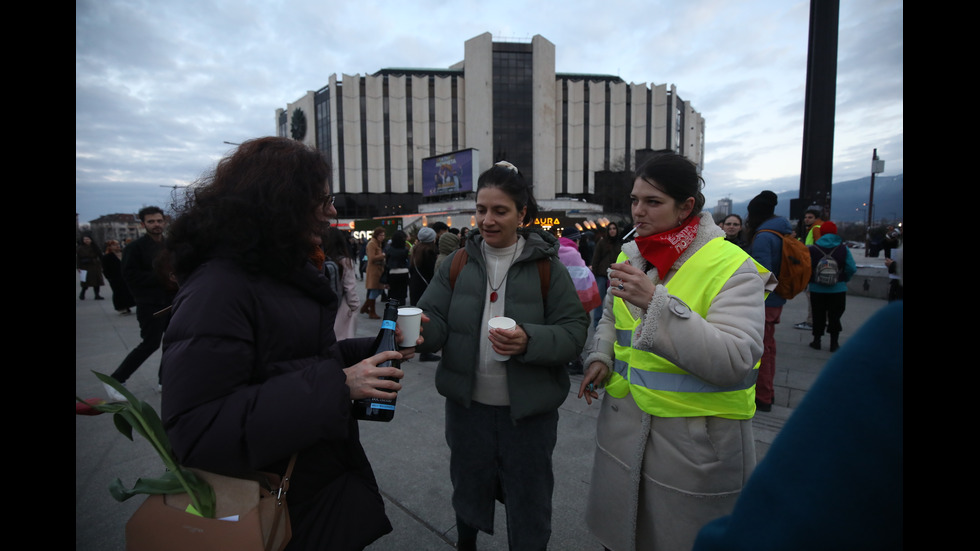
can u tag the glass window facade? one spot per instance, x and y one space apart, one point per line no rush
512 107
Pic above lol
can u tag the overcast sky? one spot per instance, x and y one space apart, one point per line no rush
161 85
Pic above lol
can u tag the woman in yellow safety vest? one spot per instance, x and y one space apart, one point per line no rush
677 351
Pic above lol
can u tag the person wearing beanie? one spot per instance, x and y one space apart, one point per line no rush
766 248
606 251
582 279
448 242
833 266
423 267
427 235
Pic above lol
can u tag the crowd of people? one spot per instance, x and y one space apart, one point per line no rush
253 295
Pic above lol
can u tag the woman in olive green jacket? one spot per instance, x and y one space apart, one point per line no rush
502 416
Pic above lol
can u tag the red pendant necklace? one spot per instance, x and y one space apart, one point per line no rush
493 289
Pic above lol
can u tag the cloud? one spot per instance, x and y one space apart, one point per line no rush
160 86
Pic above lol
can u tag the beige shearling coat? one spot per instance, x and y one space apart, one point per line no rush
656 481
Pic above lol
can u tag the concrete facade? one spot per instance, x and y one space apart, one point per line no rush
376 129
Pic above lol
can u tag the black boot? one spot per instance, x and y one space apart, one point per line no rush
466 536
81 296
834 343
816 342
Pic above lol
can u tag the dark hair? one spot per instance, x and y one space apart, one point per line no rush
146 211
730 215
335 244
439 226
257 207
91 245
505 177
421 249
676 176
618 238
398 239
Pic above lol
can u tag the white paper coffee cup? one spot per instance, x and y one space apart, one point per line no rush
500 322
409 321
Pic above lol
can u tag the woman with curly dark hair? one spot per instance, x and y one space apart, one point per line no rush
253 371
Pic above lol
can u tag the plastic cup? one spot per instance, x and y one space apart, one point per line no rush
500 322
409 321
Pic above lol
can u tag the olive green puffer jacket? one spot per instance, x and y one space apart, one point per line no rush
557 327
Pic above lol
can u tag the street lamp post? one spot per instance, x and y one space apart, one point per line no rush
877 167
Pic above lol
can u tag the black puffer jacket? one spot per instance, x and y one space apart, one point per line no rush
253 374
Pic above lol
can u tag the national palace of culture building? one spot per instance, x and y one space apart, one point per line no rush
575 136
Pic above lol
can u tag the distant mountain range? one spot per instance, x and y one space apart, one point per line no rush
847 200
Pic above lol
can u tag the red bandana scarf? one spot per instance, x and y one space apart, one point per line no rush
664 248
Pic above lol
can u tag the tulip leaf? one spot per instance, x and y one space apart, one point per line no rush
134 414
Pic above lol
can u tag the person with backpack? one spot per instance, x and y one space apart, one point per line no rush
833 267
338 267
502 416
766 247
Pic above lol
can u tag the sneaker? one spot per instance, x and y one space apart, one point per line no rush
113 394
803 326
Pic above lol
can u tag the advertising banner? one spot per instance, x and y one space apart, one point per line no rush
454 172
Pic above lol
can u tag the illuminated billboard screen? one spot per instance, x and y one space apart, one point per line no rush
454 172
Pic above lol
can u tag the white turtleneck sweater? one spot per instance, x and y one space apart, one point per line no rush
490 387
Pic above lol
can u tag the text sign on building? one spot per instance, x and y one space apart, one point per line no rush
450 173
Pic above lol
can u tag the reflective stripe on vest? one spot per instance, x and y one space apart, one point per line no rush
660 387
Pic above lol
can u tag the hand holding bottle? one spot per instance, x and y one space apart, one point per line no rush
366 380
379 404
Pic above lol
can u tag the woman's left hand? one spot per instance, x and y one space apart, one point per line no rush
509 342
409 353
630 284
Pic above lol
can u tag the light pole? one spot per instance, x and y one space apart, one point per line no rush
877 167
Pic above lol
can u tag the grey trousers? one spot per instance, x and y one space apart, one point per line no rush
494 458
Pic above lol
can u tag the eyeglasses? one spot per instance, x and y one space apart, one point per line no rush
328 200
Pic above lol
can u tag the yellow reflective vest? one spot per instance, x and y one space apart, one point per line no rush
809 234
661 388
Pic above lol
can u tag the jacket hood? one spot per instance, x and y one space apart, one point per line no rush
777 223
829 240
448 242
566 242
